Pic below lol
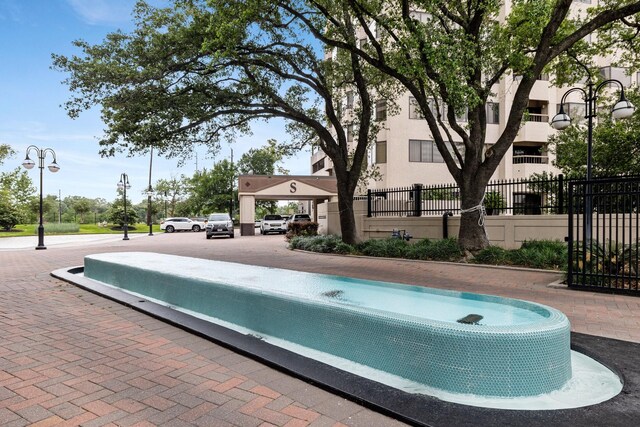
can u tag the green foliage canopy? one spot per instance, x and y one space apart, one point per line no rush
201 71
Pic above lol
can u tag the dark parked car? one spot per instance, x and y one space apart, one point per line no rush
219 224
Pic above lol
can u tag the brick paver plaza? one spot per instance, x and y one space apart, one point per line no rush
69 357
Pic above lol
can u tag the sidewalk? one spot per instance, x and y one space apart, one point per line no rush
69 357
30 242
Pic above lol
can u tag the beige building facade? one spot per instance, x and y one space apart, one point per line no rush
405 153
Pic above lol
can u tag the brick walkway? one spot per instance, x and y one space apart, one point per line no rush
68 357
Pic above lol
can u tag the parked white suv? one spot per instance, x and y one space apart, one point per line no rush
298 218
219 224
181 224
273 224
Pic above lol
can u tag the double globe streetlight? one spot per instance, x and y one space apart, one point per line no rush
41 153
621 110
124 185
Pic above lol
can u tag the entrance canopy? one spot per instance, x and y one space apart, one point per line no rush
280 187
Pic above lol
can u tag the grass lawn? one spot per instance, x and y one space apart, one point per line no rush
32 230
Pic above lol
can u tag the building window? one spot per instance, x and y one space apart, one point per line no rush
350 133
493 113
424 151
319 165
414 109
617 73
381 111
433 106
349 100
381 152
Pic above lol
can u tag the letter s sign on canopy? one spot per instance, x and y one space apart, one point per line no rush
292 187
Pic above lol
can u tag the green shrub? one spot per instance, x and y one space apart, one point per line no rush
492 255
9 213
436 250
609 263
494 202
307 228
60 228
545 254
541 254
324 244
389 248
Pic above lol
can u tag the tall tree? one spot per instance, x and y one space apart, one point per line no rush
5 152
263 161
82 206
213 190
171 192
20 189
203 70
115 213
454 52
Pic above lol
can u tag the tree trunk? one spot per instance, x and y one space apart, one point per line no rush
472 236
347 217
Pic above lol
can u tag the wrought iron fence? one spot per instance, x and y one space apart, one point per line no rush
517 197
603 253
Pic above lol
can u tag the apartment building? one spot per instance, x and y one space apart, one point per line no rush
405 153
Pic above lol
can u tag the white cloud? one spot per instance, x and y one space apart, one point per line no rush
99 12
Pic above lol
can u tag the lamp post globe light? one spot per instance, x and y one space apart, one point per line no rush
124 185
621 110
41 153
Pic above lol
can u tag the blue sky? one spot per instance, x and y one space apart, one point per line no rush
31 95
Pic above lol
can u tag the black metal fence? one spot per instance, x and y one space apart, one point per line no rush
518 197
603 246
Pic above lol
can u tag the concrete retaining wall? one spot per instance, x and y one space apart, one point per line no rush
507 231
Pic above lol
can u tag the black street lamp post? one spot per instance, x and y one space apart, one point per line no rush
621 110
149 217
165 205
149 195
41 153
124 185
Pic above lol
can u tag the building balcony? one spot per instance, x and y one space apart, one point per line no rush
533 160
540 89
535 128
525 166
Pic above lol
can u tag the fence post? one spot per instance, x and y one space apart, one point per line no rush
570 238
417 199
368 203
561 194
